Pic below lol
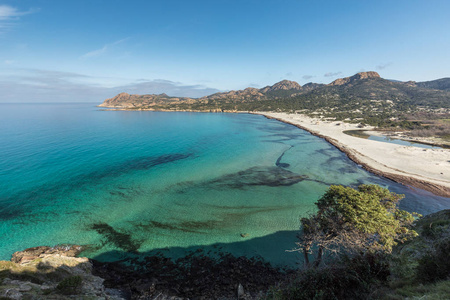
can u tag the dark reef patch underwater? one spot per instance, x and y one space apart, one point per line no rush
267 176
111 236
127 184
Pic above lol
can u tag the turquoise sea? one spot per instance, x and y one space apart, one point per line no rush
139 182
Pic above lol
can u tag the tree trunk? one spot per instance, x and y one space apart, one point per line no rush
305 255
319 257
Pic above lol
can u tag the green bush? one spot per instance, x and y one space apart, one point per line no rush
69 285
435 265
351 278
434 229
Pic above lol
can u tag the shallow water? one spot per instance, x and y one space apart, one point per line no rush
383 138
142 182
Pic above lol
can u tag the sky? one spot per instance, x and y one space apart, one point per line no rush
90 50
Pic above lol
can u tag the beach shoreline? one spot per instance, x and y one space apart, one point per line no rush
427 169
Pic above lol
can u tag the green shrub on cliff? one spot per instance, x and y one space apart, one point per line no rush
361 228
348 278
350 220
434 264
421 267
69 285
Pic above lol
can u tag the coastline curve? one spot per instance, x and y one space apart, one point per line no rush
413 180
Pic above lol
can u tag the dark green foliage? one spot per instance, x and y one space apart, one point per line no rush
434 229
439 84
70 285
350 278
420 269
435 264
427 269
355 220
281 93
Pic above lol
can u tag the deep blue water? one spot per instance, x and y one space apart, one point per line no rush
135 181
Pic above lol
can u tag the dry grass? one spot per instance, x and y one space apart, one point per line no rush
434 125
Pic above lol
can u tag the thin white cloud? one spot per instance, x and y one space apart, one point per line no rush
332 74
35 85
9 16
95 52
8 12
8 62
255 85
171 88
102 50
383 66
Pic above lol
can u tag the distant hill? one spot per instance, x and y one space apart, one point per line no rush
439 84
280 90
364 86
127 101
363 97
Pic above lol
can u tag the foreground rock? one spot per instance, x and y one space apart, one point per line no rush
195 276
55 273
51 273
30 254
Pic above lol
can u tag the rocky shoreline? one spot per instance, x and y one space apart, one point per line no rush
194 276
55 272
116 108
52 273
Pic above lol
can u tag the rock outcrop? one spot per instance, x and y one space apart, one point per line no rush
30 254
282 85
356 77
51 273
243 95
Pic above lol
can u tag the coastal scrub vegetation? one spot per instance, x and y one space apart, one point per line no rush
375 250
350 221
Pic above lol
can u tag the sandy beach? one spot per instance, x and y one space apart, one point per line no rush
428 169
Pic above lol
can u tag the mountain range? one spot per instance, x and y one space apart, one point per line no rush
289 95
423 108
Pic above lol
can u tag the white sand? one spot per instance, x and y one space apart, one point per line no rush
426 165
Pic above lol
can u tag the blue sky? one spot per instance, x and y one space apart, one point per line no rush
87 51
